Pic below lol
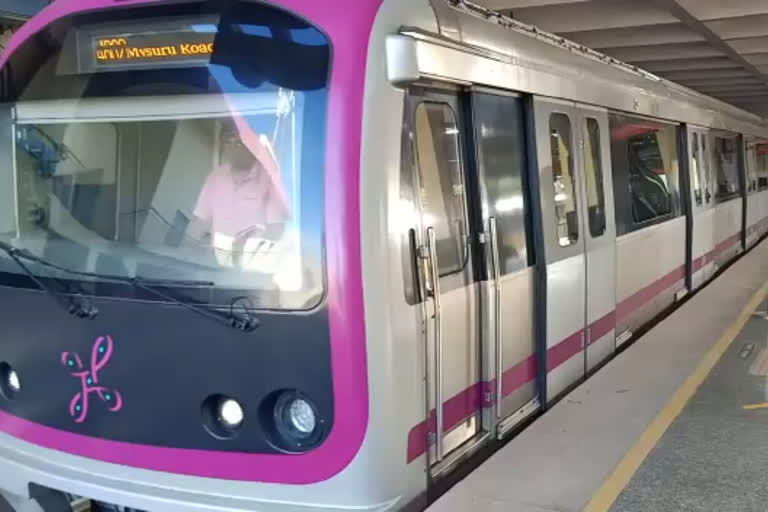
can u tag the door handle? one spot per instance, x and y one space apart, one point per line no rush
438 329
496 269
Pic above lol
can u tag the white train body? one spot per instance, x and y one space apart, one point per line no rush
520 208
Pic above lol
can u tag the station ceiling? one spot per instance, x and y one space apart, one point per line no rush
20 10
717 47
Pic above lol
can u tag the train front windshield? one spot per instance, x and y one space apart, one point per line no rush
186 147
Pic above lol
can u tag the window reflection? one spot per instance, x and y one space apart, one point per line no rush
593 166
761 157
566 218
644 157
726 166
696 169
500 136
207 199
442 184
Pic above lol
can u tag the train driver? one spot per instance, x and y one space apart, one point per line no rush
242 206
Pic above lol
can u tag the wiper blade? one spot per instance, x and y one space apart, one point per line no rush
242 320
76 308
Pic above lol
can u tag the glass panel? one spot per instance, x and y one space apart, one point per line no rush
442 183
593 166
706 170
761 155
407 215
751 166
501 156
696 169
208 169
725 159
644 156
566 216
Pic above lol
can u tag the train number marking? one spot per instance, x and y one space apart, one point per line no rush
89 379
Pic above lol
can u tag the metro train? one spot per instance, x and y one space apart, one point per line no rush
296 255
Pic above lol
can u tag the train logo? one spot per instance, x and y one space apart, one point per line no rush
89 379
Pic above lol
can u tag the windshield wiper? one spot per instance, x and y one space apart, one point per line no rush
242 320
77 308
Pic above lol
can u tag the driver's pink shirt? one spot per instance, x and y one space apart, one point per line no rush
234 209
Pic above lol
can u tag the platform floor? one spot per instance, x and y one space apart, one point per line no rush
714 456
662 427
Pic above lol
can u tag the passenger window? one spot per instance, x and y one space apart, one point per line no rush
761 155
644 157
751 164
594 172
499 131
706 171
696 169
726 165
443 203
566 218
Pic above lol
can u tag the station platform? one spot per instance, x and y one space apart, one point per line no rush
676 422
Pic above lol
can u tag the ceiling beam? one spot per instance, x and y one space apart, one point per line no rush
758 59
719 9
730 88
579 17
749 45
640 54
743 26
705 74
676 8
515 4
657 66
731 82
742 95
636 36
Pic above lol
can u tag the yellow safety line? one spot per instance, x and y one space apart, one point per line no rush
605 496
751 407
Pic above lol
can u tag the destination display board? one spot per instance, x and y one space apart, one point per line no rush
147 47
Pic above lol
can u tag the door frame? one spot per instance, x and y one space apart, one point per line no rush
468 277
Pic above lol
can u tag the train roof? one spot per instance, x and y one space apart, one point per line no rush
554 66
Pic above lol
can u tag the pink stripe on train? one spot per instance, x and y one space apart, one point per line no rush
525 371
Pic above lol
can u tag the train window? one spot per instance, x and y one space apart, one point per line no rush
761 156
644 158
706 170
593 166
696 169
407 217
499 132
725 158
443 202
561 147
751 166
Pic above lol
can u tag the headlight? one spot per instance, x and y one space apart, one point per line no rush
296 419
10 383
222 416
230 413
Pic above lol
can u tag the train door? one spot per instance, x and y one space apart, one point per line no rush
448 270
508 293
579 250
599 233
702 202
